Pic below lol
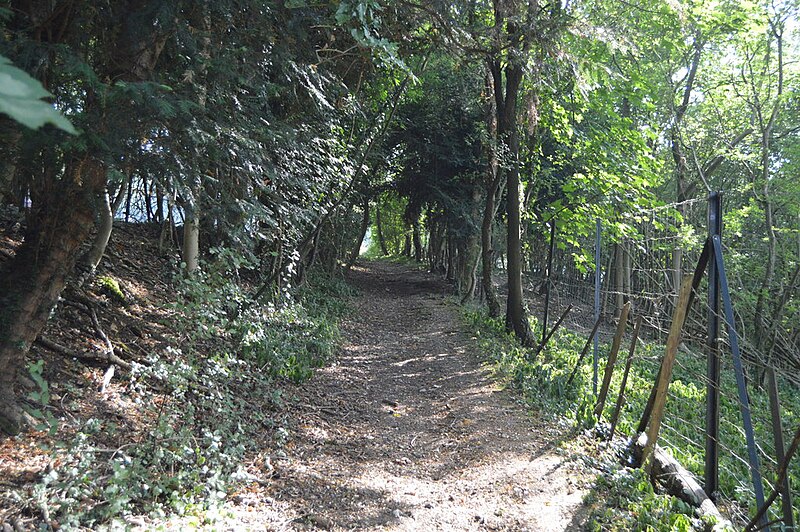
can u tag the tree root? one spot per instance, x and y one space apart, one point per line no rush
13 419
104 356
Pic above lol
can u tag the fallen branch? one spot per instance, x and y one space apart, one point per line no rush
104 356
584 351
679 482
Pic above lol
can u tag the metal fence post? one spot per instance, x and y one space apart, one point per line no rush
713 361
596 302
744 401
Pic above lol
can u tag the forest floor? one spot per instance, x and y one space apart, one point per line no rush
406 430
409 431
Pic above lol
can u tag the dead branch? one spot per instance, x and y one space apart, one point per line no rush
104 356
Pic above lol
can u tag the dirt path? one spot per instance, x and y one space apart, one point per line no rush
408 432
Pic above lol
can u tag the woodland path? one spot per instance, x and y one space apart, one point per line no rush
407 430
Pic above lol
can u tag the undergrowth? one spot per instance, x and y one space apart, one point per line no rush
207 402
622 499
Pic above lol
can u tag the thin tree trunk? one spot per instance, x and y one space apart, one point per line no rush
379 228
92 258
493 180
627 276
160 205
451 257
417 242
128 201
356 251
619 280
487 251
148 202
684 190
766 200
516 316
191 236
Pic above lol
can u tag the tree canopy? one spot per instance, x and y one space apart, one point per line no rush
287 133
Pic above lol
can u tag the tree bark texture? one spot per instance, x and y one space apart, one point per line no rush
89 262
31 283
418 255
191 236
63 199
516 316
493 181
471 252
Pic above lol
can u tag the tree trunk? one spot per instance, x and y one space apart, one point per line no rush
494 178
516 316
128 198
191 236
160 204
148 201
619 279
356 251
472 250
684 189
487 254
379 228
766 200
418 256
451 256
30 284
627 275
90 261
63 211
10 191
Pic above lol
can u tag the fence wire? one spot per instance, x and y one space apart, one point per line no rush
641 267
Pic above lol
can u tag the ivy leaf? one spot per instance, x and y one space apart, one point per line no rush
21 99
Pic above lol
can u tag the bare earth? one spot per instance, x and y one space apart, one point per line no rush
407 431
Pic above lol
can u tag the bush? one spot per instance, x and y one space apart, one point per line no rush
207 405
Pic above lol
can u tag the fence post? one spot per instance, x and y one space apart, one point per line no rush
547 278
780 451
612 359
584 351
628 363
713 361
665 373
596 302
744 401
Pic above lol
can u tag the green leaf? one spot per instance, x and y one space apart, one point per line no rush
21 99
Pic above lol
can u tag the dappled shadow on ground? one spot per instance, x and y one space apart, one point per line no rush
407 431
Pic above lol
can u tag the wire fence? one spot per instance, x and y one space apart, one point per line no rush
731 404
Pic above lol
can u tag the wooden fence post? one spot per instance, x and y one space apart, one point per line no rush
780 450
665 375
612 359
584 351
621 396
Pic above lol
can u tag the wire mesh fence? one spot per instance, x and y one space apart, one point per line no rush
729 424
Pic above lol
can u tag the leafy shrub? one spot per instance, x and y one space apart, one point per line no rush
200 432
630 503
208 403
